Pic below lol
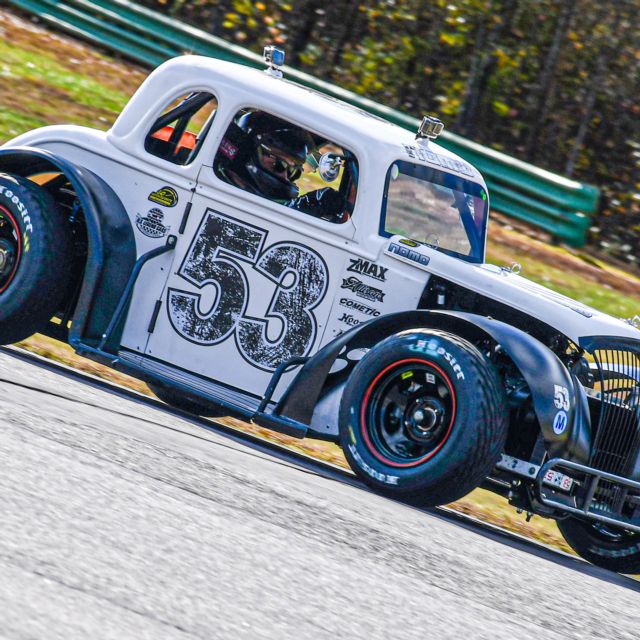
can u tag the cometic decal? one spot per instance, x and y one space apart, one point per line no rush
166 196
358 306
216 256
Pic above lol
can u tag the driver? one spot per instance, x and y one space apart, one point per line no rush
265 155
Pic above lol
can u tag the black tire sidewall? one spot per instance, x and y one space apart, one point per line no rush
622 556
459 361
42 274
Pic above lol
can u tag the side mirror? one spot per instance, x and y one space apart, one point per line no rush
329 166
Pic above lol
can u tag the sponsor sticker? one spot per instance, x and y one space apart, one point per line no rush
435 158
151 225
407 242
410 254
366 268
228 149
166 196
348 319
560 422
359 306
362 290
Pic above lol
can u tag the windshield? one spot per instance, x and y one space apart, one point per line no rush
435 208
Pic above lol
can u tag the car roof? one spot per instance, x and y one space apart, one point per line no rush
244 86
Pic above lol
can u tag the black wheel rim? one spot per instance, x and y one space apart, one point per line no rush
408 412
10 248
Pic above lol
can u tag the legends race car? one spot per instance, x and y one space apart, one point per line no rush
250 247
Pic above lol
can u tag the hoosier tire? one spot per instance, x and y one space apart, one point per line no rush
602 545
35 258
423 417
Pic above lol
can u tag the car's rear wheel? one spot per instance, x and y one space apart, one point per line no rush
423 416
603 545
184 402
35 258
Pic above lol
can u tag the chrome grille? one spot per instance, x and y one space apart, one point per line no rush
617 432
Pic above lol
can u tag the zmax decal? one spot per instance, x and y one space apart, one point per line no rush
214 258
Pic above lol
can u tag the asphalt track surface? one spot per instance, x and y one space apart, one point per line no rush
120 518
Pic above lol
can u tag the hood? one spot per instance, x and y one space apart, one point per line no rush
573 319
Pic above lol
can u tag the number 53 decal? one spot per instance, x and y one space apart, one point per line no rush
300 275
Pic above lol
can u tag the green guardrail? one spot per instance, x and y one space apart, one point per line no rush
556 204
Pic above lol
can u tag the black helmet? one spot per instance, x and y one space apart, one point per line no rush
271 154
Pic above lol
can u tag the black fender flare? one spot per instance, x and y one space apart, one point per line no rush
111 249
540 367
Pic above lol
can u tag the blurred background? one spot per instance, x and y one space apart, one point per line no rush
551 82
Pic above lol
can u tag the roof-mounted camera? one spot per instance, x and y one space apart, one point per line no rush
430 128
274 58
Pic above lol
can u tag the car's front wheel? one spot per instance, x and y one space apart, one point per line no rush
603 545
423 416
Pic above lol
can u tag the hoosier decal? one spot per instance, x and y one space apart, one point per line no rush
167 197
362 290
366 268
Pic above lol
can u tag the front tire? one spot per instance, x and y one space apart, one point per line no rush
35 258
423 417
602 545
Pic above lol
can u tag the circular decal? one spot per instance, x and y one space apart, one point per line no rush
560 422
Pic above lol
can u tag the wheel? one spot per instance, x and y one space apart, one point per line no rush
184 402
424 417
602 545
35 258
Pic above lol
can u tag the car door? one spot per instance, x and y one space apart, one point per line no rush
251 285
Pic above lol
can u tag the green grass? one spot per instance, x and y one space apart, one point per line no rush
12 123
21 65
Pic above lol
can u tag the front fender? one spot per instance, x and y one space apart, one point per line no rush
111 251
557 399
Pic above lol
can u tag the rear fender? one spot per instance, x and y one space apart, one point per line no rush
558 400
111 251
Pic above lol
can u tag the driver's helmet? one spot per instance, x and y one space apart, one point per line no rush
271 155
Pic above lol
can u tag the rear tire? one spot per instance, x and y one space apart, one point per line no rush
602 545
184 402
423 417
35 258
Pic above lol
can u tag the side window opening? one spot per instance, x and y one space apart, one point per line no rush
275 159
179 132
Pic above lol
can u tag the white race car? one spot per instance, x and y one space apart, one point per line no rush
250 247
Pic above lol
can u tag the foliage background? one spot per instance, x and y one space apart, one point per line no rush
552 82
